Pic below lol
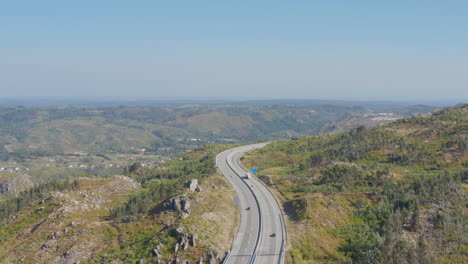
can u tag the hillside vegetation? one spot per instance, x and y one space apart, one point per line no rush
165 130
393 194
150 215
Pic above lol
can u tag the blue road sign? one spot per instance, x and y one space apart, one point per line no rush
253 170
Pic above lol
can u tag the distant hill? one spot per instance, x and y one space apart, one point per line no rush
32 131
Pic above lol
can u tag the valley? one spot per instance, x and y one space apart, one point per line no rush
349 196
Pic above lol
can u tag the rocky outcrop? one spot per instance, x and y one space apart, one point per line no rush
55 235
178 204
16 185
157 253
192 185
72 256
212 257
185 205
186 240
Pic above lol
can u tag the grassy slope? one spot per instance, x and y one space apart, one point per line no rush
213 219
308 177
48 131
79 216
88 233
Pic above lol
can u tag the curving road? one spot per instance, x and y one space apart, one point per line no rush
254 241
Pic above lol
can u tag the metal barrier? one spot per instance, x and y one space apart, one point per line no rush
282 252
226 258
252 260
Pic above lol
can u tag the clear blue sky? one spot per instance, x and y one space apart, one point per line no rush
393 50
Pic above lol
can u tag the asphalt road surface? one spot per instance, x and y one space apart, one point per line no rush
261 236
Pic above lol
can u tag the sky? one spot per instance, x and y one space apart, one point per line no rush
330 49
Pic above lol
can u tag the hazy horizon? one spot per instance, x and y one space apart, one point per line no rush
366 50
174 101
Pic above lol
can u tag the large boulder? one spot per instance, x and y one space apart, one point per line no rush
173 204
192 184
178 204
185 205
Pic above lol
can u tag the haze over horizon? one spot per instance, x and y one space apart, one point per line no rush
364 50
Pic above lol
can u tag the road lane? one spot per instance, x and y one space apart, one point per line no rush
260 237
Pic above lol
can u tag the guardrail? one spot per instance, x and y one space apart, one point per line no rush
282 252
252 260
226 258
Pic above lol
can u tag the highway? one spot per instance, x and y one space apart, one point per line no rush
261 234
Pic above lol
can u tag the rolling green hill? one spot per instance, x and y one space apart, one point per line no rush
166 130
392 194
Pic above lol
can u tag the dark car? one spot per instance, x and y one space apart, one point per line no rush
273 235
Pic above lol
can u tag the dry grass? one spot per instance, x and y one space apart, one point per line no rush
79 217
215 216
314 239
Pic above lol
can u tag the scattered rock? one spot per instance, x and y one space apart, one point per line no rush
192 240
212 257
157 253
49 244
181 231
198 189
45 199
184 243
184 215
55 235
167 224
185 205
192 185
159 246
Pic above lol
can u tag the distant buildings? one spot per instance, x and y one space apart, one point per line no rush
10 169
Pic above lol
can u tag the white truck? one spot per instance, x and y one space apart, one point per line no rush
248 175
